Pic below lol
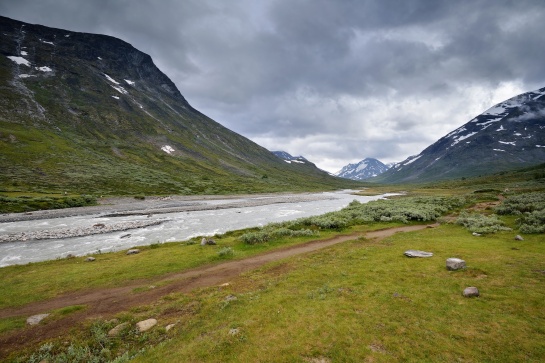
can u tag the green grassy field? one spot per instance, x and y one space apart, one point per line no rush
358 301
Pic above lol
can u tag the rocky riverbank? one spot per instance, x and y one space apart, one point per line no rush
60 233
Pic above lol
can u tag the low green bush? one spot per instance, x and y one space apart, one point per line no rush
480 223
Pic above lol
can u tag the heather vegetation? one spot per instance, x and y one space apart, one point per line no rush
29 203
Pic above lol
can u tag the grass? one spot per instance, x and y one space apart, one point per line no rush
364 301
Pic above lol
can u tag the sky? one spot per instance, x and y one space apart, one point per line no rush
335 81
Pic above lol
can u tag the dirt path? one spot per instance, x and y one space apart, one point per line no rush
108 301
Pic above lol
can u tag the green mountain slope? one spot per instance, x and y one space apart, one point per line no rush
89 113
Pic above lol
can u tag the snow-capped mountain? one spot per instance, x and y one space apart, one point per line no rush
289 158
507 136
365 169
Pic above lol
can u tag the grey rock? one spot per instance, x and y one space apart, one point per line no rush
90 259
117 329
518 237
454 264
203 241
145 325
133 251
35 319
416 253
169 326
476 234
234 331
471 291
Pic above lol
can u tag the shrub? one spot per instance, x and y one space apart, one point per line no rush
481 223
226 252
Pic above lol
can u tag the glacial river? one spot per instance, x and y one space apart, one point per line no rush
221 216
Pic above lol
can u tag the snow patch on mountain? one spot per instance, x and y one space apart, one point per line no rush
19 60
168 149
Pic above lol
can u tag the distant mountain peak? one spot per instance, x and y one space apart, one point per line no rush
289 158
365 169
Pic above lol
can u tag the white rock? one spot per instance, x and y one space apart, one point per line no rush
35 319
145 325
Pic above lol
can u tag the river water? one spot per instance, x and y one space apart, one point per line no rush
176 226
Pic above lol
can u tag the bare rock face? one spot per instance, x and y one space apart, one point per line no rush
416 253
454 264
471 291
145 325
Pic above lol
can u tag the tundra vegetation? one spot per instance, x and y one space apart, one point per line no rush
360 300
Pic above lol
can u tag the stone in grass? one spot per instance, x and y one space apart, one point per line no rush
416 253
454 264
134 251
90 259
145 325
35 319
117 329
518 237
471 291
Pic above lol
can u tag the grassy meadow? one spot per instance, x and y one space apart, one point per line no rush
357 301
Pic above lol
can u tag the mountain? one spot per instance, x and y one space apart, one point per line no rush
509 135
365 169
290 159
88 113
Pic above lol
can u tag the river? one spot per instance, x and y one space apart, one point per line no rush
165 220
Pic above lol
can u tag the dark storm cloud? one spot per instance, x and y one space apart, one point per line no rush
336 81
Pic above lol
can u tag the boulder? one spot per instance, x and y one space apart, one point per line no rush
90 259
476 234
210 242
203 241
133 251
454 264
117 329
416 253
471 291
518 237
35 319
145 325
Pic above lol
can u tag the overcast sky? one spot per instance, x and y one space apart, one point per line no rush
333 80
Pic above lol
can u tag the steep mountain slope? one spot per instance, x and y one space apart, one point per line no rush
90 113
365 169
508 136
